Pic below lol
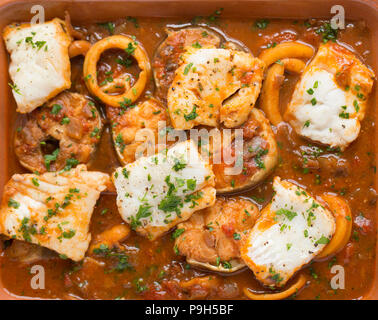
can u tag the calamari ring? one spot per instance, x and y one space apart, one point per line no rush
78 47
341 212
293 65
90 70
286 50
279 295
270 95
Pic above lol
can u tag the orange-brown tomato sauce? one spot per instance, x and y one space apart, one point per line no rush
156 269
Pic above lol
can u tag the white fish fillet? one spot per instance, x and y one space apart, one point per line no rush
330 99
155 193
52 209
290 232
214 85
39 63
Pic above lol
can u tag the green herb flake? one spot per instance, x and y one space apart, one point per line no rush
13 203
289 214
35 181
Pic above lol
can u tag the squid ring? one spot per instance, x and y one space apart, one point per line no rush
78 47
342 213
90 69
286 50
270 95
279 295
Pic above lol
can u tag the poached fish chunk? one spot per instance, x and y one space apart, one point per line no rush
39 62
155 193
52 209
330 99
290 232
214 85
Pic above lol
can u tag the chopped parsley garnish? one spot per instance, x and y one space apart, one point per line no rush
95 132
226 265
50 158
71 162
196 45
271 45
40 44
130 48
192 198
344 115
124 62
258 161
121 259
257 199
134 21
275 276
65 120
177 233
108 26
125 173
213 18
14 88
27 230
327 32
192 115
322 240
139 287
191 184
120 143
55 109
236 236
143 212
289 214
68 234
13 203
171 203
35 181
179 165
187 68
261 23
356 106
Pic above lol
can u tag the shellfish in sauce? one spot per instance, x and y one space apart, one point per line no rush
134 267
